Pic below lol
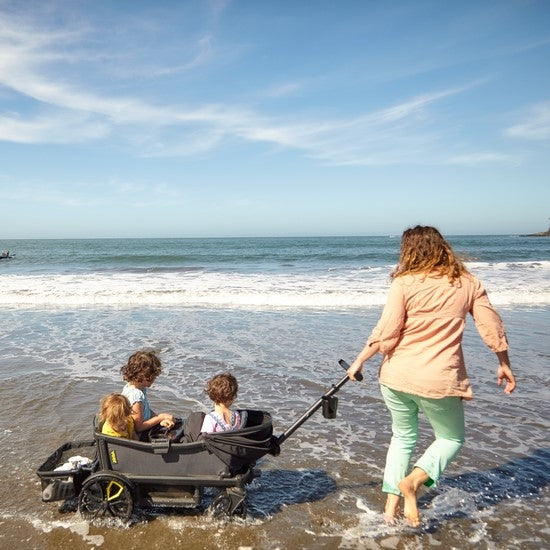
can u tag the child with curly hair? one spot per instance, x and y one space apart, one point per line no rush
140 372
222 390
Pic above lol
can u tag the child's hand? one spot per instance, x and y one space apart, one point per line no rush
167 420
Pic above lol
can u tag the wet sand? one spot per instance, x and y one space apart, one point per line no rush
323 491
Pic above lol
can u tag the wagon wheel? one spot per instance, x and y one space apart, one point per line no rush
221 505
228 504
106 495
240 510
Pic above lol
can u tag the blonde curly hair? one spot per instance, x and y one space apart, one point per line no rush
424 251
114 408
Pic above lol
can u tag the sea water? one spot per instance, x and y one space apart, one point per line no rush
340 272
278 313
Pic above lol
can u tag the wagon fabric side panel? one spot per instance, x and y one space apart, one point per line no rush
239 449
137 458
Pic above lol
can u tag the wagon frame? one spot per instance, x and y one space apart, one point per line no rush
171 469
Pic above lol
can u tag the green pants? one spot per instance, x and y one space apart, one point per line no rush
446 417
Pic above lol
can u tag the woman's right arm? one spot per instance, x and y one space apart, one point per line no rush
365 354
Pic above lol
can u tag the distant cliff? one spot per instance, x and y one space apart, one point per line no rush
541 234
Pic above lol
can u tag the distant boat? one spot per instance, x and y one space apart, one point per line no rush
5 255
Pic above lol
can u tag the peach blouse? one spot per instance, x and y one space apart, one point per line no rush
420 333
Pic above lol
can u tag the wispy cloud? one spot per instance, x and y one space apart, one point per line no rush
535 124
33 65
218 6
203 55
281 90
63 128
89 193
402 133
484 157
39 192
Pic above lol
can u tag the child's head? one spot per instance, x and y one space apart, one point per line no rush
115 409
222 388
142 367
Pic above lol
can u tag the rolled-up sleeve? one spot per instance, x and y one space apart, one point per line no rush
388 329
487 320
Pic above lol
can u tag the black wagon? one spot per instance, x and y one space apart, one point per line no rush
110 476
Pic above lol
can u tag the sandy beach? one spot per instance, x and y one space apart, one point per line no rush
323 491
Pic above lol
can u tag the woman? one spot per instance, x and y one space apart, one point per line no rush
419 335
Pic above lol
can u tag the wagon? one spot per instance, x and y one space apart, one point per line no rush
111 476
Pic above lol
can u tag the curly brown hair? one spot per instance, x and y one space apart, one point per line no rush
142 366
424 250
114 408
222 388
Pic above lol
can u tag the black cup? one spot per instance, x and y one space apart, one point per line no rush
330 406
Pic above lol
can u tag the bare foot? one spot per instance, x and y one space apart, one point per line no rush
410 510
392 509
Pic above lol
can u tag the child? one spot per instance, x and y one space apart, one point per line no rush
222 390
116 414
140 372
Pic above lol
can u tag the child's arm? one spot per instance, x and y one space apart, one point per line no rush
165 419
168 421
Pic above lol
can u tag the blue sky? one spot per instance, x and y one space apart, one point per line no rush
256 118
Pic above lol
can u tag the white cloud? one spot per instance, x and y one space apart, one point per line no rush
535 125
486 157
203 55
64 128
282 90
84 193
33 65
42 193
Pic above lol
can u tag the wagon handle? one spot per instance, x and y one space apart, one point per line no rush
318 404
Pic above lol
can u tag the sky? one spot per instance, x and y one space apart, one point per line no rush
215 118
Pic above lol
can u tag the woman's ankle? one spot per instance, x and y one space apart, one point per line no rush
393 504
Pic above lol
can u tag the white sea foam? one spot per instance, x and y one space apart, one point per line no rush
80 528
518 283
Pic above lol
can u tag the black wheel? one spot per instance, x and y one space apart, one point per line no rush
221 505
106 496
240 510
229 503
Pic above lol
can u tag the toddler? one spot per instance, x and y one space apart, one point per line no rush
222 390
116 414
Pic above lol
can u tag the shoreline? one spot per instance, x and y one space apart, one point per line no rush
328 474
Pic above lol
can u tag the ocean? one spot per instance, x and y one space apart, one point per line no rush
279 313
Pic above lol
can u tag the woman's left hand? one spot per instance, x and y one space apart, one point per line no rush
504 373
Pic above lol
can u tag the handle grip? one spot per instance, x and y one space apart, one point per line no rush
345 366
